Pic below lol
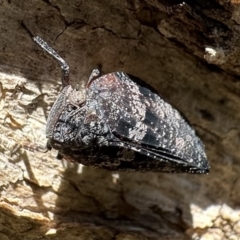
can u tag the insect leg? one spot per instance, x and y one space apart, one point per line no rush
94 75
61 61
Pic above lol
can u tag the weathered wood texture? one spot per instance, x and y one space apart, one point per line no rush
189 52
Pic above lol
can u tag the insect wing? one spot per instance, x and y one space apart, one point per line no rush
145 123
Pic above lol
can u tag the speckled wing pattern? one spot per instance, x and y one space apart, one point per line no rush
141 121
118 124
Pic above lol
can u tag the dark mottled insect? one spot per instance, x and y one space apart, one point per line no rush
117 124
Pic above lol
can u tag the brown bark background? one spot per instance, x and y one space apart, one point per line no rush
189 52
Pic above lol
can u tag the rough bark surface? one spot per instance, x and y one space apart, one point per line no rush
188 51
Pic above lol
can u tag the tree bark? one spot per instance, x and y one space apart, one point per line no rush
187 51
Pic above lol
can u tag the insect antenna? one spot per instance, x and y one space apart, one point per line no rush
61 61
32 147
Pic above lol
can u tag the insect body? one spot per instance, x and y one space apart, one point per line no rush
117 124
